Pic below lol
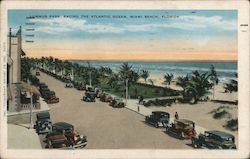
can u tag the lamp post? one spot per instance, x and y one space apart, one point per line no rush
31 105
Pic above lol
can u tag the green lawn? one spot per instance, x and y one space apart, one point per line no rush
135 90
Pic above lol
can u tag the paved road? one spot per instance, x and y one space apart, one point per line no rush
104 126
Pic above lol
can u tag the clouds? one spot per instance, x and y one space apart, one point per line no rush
61 24
185 23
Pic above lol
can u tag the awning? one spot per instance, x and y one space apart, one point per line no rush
29 88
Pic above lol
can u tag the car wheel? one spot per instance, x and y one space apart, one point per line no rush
194 144
181 135
49 144
156 125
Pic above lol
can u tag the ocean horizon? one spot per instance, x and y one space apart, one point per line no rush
225 69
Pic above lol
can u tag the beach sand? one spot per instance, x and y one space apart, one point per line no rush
219 93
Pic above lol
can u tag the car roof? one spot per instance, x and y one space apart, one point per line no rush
221 133
63 125
184 121
43 115
159 112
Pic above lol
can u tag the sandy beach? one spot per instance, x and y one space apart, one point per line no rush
219 93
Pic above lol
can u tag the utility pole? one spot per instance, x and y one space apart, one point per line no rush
31 105
126 91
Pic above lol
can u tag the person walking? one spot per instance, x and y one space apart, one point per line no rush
176 115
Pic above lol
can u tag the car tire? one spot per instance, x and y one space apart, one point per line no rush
156 125
181 135
194 144
49 144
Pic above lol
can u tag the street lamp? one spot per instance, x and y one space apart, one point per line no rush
31 105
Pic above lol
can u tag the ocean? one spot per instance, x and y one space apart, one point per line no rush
225 70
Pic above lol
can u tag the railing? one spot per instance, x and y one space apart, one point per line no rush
27 106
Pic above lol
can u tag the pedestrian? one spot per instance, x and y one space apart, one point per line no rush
138 108
140 99
176 115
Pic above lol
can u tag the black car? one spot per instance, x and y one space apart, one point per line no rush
214 140
158 118
43 123
89 96
37 73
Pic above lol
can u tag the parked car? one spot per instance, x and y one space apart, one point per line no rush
42 86
80 86
57 141
214 140
64 135
69 85
89 96
117 103
37 73
43 123
104 97
182 128
50 97
158 118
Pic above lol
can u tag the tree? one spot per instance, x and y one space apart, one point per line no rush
126 73
182 81
168 78
232 86
197 87
213 77
145 75
151 81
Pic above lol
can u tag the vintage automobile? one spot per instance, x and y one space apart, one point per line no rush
69 85
117 103
98 92
37 73
80 86
89 96
104 97
42 86
64 134
158 118
43 123
50 97
182 128
214 140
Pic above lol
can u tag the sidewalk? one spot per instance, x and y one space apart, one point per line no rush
25 138
133 105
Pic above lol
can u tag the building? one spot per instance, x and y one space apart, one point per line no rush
14 71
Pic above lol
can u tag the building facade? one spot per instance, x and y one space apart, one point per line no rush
14 71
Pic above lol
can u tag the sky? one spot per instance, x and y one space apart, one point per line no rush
150 35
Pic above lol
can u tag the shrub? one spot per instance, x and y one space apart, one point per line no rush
232 124
220 114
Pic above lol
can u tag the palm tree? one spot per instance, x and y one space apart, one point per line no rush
113 80
213 77
232 86
182 81
127 74
145 75
151 81
168 78
197 87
